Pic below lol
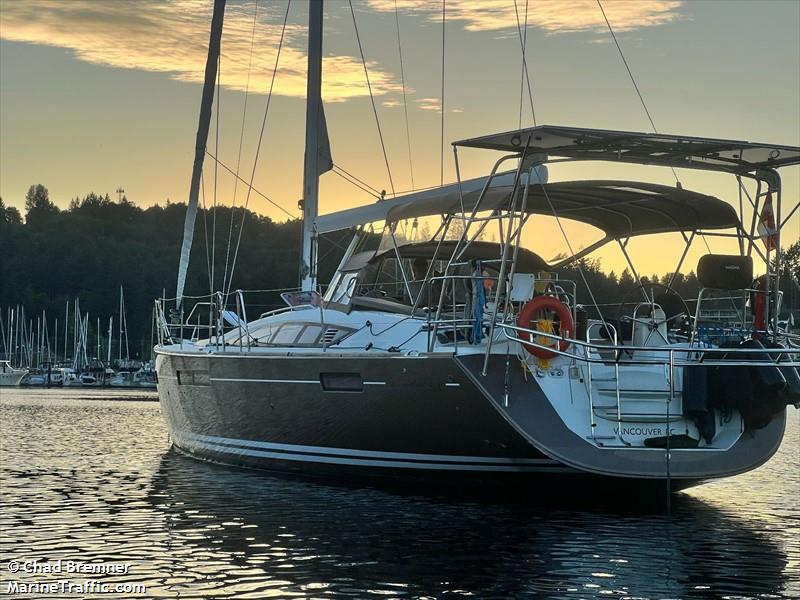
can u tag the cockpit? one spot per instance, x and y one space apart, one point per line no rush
412 276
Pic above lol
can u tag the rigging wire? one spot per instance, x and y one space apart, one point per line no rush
205 225
336 246
258 146
373 190
523 47
572 252
241 141
403 84
371 96
264 196
522 74
633 79
355 183
441 107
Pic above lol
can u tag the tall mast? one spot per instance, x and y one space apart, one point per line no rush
66 330
110 329
11 335
311 170
120 323
124 318
200 145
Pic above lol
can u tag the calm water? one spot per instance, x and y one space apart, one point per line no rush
89 476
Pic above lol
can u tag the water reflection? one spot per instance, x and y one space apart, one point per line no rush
92 478
260 533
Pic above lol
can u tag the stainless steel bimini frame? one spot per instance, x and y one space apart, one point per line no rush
754 161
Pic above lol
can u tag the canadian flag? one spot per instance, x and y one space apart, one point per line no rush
766 224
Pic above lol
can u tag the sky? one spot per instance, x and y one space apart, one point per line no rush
101 94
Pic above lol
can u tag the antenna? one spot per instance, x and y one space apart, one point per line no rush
120 191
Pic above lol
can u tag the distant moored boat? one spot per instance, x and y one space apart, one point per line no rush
9 376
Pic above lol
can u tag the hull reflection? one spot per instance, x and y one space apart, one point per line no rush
264 533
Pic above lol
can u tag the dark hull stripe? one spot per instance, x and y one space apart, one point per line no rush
250 380
200 443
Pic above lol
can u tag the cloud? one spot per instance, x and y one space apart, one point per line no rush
434 105
171 36
552 16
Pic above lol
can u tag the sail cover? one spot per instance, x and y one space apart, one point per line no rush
619 208
372 213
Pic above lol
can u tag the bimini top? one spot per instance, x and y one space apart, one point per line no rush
619 208
642 148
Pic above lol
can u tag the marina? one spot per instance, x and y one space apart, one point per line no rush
35 357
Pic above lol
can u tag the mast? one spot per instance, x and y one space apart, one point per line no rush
125 327
110 329
311 170
200 145
11 336
120 324
66 328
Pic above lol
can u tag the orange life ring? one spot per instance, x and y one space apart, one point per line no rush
528 317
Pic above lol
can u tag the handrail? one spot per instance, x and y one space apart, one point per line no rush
242 318
618 349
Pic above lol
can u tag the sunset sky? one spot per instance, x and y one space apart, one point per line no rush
98 94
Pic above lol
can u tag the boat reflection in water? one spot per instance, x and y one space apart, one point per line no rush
238 532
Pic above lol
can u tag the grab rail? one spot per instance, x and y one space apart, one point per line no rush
619 349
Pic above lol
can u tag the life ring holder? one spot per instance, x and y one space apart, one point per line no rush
527 315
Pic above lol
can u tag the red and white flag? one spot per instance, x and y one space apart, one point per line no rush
766 225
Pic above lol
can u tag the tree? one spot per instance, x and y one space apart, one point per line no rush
790 265
38 207
626 281
9 216
790 278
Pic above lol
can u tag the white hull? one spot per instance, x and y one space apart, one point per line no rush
11 379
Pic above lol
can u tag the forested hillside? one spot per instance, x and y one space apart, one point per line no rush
51 256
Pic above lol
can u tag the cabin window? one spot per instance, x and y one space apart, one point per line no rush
305 335
287 334
341 382
310 335
262 334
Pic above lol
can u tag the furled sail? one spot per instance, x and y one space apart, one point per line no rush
324 157
200 145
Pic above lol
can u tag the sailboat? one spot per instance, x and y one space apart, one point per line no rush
9 376
455 358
